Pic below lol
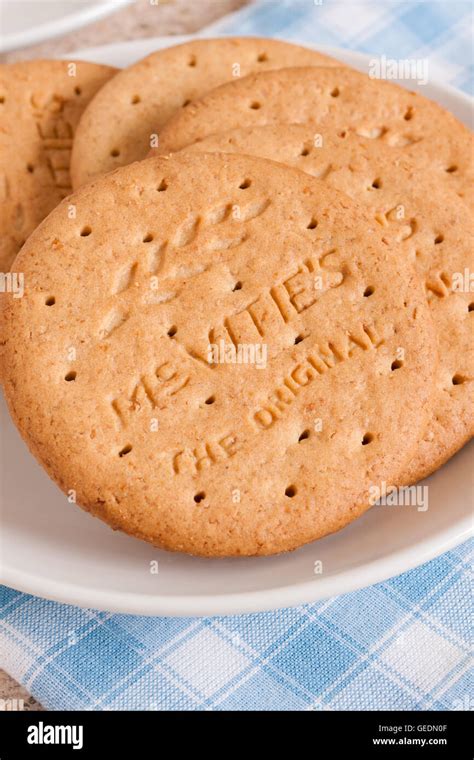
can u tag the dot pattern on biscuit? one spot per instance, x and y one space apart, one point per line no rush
124 119
40 106
169 269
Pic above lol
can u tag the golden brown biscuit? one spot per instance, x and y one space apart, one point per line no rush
218 354
40 106
118 126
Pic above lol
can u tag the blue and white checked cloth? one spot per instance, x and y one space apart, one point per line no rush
402 644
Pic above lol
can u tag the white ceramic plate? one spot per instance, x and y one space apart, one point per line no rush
27 22
53 549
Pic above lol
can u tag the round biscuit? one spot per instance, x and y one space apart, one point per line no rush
207 355
332 97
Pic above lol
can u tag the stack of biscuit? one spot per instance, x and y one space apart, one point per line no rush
253 308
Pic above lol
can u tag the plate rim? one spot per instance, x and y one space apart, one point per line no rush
65 24
346 581
246 602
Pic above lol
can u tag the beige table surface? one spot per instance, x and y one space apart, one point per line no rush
140 19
